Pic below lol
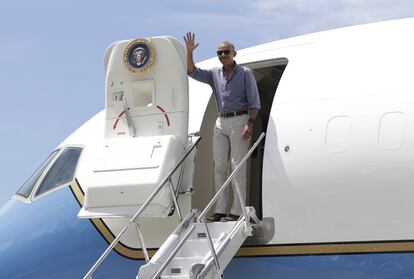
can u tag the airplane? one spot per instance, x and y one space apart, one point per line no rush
329 174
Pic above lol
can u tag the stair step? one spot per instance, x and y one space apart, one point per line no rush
182 265
195 248
175 270
215 229
175 276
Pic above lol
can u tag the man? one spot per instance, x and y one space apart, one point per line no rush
237 100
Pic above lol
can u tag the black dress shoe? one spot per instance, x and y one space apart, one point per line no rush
216 217
231 217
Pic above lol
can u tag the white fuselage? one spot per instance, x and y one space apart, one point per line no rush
338 157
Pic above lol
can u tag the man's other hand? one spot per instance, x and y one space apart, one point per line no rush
247 131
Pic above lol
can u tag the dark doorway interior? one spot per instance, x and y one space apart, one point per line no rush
268 78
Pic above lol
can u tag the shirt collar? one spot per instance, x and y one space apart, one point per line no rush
235 66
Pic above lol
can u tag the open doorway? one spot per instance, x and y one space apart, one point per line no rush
268 75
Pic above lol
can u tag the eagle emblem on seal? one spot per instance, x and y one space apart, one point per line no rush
139 55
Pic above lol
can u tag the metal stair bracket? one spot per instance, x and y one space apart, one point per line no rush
135 219
200 268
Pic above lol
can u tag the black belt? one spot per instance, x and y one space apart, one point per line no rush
232 113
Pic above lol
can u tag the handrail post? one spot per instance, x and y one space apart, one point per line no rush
141 240
210 244
242 203
177 190
175 199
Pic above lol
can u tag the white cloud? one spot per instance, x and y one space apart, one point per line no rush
268 20
6 245
6 207
301 16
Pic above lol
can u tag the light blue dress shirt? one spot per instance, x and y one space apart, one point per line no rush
236 94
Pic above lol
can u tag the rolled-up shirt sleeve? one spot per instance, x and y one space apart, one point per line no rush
201 75
252 93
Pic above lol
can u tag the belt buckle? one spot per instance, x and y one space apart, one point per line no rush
229 113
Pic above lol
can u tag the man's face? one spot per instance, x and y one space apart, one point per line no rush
225 54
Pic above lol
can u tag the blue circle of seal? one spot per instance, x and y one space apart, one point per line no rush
139 55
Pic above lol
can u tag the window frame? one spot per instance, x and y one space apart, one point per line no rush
63 185
32 197
44 165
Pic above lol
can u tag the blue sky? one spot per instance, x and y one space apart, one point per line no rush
51 55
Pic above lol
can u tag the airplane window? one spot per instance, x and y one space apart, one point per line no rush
62 170
338 133
391 130
27 187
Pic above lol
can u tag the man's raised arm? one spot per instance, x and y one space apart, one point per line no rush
190 46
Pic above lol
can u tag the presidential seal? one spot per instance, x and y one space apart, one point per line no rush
139 55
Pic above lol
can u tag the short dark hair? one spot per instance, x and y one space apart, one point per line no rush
230 44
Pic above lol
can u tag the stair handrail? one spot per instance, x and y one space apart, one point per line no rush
201 217
141 209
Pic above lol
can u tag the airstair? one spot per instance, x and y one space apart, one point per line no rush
198 249
195 249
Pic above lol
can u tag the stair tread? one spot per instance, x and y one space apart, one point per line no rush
183 259
175 276
195 247
215 229
183 265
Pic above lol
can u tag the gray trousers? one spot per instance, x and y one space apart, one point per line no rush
229 148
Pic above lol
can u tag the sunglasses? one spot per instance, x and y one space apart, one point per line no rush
221 52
